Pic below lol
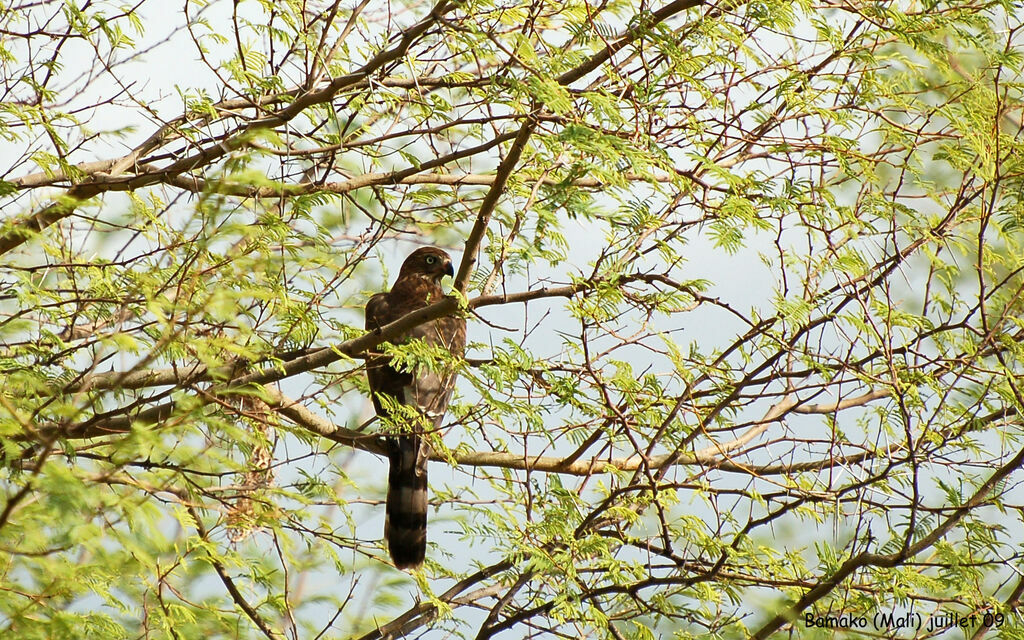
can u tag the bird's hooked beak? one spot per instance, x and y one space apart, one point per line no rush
448 268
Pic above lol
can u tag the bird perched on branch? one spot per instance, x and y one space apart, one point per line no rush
413 400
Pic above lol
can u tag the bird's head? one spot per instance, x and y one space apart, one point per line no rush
428 262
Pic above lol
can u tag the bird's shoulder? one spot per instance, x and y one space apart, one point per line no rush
412 292
378 310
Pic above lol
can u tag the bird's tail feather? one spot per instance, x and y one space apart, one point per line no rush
405 524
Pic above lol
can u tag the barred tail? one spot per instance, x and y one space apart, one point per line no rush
405 525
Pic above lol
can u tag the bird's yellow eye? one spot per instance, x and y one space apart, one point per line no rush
431 259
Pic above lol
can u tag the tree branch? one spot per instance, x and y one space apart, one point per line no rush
424 612
236 595
191 374
69 202
483 218
866 559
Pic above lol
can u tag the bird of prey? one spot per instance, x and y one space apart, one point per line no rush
425 390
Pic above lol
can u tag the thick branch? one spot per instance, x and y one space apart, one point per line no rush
711 456
120 420
381 179
326 355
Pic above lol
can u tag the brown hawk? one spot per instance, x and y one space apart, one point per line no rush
424 389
